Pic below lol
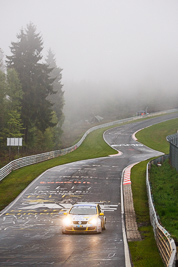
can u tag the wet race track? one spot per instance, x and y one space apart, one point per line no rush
30 228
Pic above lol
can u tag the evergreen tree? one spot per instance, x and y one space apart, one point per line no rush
34 77
10 103
14 90
2 67
14 97
3 92
14 124
56 99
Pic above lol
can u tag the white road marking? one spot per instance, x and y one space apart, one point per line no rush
126 145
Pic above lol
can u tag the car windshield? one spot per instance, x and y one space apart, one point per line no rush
83 210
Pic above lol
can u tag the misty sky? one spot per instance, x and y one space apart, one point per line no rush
125 42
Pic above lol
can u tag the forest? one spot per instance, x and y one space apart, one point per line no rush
31 96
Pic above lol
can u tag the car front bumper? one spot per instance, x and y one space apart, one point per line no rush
81 229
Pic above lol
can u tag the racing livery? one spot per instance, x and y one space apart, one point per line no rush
84 218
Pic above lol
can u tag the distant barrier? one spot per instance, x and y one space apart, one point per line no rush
165 243
25 161
173 152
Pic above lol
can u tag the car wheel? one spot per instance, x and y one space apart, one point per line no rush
104 227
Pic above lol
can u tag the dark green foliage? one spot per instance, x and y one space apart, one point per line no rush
14 94
31 97
34 77
10 103
2 68
3 90
56 98
14 90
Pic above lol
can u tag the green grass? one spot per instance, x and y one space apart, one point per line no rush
155 136
93 147
164 183
164 180
138 178
145 252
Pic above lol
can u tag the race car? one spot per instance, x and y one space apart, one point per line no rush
84 218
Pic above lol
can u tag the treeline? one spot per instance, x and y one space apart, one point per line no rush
31 95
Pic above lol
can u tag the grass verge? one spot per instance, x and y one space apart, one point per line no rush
164 184
155 136
145 252
164 180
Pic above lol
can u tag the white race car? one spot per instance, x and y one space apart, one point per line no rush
84 218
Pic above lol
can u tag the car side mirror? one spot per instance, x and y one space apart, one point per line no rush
101 214
65 213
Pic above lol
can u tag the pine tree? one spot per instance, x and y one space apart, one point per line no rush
3 92
2 67
56 99
34 78
14 90
14 97
10 103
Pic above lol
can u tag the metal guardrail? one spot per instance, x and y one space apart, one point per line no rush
25 161
173 152
165 243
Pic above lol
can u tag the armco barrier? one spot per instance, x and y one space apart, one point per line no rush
165 243
25 161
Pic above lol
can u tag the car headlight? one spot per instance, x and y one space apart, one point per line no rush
94 221
67 221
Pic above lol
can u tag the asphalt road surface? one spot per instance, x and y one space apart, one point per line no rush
30 228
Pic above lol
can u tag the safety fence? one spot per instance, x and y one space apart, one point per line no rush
173 152
25 161
165 243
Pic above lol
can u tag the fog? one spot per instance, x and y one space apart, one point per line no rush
112 52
